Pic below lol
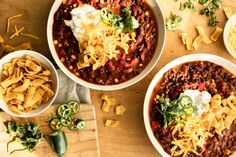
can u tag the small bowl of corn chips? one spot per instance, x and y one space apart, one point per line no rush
28 84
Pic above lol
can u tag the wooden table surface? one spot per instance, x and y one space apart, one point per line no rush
129 139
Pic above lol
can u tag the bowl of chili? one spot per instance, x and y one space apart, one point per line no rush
171 101
136 29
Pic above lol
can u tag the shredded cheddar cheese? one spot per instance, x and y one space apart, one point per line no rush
29 35
10 18
192 134
101 46
17 32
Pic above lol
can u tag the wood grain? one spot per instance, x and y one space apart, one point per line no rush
129 139
82 143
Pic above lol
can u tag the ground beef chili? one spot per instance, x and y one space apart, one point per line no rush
115 71
200 75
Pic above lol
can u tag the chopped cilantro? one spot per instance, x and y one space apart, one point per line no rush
188 4
173 22
123 22
208 11
213 21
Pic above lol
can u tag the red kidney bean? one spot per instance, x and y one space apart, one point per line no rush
143 54
128 70
110 66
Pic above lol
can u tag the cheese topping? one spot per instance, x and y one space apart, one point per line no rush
191 135
98 42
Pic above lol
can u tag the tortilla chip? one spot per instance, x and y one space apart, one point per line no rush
105 106
120 109
23 87
228 12
184 37
216 33
197 41
202 33
111 123
189 43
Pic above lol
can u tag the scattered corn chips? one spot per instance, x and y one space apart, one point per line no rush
202 33
197 41
111 123
107 102
120 109
183 37
228 12
216 33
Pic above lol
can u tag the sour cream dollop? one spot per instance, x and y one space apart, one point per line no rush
200 99
84 19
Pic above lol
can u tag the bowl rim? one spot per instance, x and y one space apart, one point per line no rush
231 21
228 65
21 53
145 71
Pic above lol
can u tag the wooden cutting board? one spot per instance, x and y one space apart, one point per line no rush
82 143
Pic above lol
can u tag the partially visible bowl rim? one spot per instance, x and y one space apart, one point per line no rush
159 74
148 68
229 23
32 53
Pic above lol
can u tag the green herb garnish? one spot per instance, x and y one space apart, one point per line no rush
173 22
210 10
176 110
188 4
213 21
27 134
203 2
123 22
217 3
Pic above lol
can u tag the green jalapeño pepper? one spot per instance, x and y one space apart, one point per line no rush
63 110
77 124
73 125
75 106
66 120
59 142
80 124
186 102
55 124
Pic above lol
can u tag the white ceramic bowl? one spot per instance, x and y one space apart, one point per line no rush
231 67
161 40
54 77
229 23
